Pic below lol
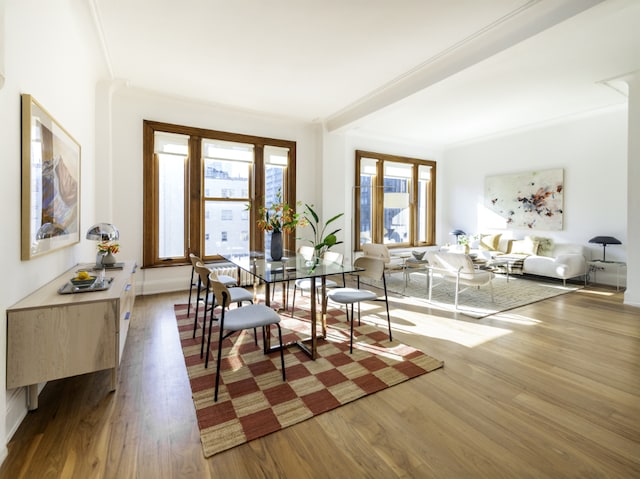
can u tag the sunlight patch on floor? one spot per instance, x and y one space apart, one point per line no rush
596 293
516 319
465 333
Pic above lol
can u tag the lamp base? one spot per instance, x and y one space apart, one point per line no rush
98 267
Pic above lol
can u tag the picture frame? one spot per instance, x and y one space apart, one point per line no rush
51 158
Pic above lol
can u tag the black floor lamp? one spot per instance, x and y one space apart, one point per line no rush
604 241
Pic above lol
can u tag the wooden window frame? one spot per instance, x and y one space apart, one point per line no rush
377 229
194 190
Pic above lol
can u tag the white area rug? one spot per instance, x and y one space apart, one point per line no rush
516 292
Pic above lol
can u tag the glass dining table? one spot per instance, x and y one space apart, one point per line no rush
292 266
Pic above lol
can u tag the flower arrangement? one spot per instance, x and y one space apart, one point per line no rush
106 247
279 217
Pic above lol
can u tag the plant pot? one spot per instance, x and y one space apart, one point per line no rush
276 245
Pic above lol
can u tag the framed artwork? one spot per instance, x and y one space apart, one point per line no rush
531 200
50 183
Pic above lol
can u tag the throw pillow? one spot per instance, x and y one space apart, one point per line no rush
525 246
545 245
490 242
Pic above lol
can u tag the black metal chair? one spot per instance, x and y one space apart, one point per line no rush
373 268
245 317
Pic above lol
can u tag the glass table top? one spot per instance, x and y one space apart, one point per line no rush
292 266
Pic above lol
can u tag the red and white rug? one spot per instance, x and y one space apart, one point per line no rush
254 401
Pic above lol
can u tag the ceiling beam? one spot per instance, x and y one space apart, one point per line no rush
526 21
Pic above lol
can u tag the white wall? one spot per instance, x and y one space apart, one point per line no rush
130 107
592 150
50 53
632 293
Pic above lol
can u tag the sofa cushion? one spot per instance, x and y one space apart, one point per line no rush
545 245
525 246
490 242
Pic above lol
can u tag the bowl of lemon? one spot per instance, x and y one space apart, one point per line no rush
83 280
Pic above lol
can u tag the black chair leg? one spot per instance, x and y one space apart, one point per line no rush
293 300
206 361
204 320
195 320
352 321
215 396
190 290
386 302
284 375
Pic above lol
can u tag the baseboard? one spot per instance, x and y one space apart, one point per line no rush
168 285
16 410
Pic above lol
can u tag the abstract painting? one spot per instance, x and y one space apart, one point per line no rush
531 200
50 183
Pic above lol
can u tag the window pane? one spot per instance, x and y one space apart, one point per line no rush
424 176
171 153
226 169
171 205
274 173
226 179
366 209
396 214
223 237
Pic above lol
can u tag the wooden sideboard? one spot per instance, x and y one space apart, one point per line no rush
52 336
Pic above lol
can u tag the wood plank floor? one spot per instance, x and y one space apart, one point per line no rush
550 390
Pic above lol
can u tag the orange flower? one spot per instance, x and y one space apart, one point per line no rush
108 247
279 216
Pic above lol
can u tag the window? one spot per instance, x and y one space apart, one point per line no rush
395 200
195 179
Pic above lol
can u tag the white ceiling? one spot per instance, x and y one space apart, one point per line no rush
436 72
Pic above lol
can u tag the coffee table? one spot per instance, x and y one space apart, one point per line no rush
492 265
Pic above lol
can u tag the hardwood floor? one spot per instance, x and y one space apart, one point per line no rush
550 390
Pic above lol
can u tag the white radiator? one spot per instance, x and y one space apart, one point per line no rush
229 269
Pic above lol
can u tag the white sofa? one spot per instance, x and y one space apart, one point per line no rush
539 256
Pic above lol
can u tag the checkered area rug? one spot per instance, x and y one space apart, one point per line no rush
253 401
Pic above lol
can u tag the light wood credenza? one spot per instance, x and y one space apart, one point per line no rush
52 336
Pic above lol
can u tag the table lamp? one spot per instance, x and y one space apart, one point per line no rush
604 241
103 232
457 233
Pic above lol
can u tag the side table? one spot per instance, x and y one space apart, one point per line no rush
413 264
599 265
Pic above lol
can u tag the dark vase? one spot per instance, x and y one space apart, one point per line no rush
276 245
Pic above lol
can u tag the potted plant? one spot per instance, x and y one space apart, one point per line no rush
321 240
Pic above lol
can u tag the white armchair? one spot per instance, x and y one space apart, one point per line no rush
457 268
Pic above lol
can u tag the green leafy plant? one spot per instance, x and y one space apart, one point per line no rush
321 240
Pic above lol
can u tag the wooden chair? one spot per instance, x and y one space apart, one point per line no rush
373 268
237 295
195 281
233 320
